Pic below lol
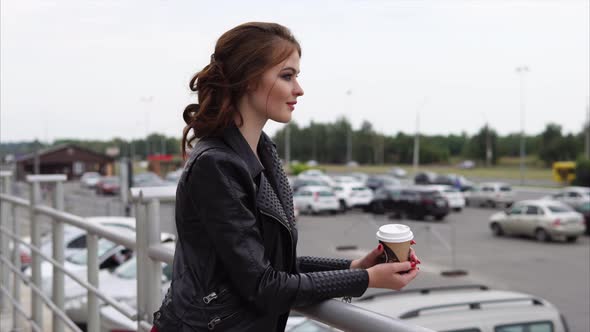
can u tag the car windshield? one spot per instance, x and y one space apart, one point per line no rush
559 208
451 190
326 194
505 188
81 257
127 270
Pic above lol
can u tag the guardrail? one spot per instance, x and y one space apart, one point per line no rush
150 252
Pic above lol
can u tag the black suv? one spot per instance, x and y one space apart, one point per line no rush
377 181
425 178
415 202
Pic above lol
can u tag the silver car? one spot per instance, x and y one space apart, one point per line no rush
490 194
573 196
543 219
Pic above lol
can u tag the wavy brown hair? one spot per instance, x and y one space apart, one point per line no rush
241 56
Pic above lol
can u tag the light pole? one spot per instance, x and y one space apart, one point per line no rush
147 100
522 70
588 130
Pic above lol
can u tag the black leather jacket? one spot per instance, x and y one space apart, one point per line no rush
235 266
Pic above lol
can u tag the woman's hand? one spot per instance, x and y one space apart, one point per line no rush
392 275
376 257
371 259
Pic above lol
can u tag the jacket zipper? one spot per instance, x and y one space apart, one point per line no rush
213 296
216 320
286 227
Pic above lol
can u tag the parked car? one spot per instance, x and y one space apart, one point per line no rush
361 177
425 178
463 308
386 199
584 209
452 195
352 194
110 255
398 172
315 174
148 179
108 185
299 183
120 284
466 164
573 196
316 199
544 220
419 202
416 202
377 181
490 194
74 238
173 177
89 179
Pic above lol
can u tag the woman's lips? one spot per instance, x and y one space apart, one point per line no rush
292 105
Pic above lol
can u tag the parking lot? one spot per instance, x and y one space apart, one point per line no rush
558 272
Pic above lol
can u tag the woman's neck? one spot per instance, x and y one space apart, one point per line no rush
251 129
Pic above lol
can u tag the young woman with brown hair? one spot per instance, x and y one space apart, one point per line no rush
235 266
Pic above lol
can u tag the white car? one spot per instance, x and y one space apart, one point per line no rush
491 194
543 219
452 195
110 255
573 196
469 308
121 284
315 174
89 179
316 199
74 237
352 194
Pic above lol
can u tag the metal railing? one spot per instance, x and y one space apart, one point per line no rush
150 253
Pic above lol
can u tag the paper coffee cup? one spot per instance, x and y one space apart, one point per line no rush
396 239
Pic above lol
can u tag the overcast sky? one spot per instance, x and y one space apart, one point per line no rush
100 69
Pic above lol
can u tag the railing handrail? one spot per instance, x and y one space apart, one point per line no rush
151 252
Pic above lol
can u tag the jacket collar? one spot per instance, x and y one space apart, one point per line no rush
233 137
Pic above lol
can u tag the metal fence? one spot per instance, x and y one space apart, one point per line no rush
150 253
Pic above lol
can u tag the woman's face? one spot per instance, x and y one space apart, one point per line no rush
276 93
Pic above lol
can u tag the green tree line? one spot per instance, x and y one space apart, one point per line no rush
328 143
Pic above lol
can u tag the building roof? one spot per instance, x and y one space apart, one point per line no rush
57 148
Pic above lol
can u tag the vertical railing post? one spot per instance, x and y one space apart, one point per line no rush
154 267
58 255
142 270
4 246
93 314
36 305
16 280
35 200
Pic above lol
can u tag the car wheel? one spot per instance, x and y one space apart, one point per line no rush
542 236
439 217
491 204
466 202
497 229
309 210
343 206
377 208
571 239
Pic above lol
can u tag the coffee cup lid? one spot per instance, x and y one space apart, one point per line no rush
394 233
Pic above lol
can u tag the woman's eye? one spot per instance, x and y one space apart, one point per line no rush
287 77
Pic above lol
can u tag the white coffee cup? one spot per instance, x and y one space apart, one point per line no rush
396 240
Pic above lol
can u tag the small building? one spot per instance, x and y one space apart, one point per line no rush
68 159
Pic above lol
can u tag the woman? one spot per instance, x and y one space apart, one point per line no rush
235 265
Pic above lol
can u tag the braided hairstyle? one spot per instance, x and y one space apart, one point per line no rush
241 56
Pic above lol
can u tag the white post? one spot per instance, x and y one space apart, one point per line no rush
4 247
93 307
58 255
36 304
522 70
154 268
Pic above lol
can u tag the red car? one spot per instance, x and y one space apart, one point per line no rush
108 185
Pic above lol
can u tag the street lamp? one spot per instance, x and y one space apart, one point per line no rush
521 71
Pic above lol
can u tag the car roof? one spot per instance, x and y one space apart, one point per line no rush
434 304
315 188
